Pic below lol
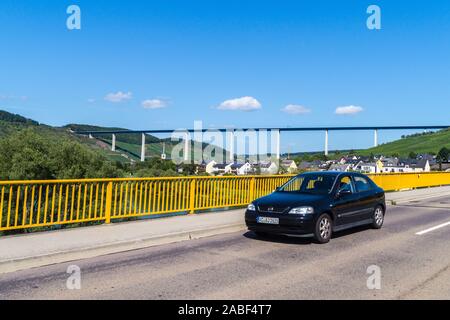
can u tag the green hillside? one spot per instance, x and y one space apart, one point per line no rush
418 143
30 151
16 118
33 151
128 146
12 125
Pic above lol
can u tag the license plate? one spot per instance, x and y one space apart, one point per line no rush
268 220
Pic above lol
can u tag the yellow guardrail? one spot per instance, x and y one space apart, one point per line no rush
33 204
400 181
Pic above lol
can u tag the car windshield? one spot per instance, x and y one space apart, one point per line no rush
310 183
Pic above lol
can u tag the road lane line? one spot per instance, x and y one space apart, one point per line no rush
433 228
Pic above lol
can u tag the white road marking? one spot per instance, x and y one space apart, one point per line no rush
433 228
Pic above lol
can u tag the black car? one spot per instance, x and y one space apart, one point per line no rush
317 204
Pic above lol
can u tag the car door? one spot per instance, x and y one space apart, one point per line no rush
346 201
367 196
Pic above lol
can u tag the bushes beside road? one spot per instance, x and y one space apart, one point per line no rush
30 155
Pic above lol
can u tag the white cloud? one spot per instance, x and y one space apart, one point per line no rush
241 104
295 109
118 96
154 104
348 110
12 97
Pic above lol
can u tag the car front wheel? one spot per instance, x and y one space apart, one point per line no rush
324 228
378 217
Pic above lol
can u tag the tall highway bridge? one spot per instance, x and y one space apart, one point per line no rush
275 130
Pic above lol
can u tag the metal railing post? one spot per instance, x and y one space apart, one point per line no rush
108 203
192 196
252 189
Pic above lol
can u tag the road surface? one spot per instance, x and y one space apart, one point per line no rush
240 266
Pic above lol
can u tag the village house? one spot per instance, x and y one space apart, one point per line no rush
340 167
214 168
241 168
406 166
426 156
422 165
389 161
221 168
369 167
210 168
315 165
268 167
352 160
289 165
445 166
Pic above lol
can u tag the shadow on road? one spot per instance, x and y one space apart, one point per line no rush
302 240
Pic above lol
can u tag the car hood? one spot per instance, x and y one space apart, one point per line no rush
281 201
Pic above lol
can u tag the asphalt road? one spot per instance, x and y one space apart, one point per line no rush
240 266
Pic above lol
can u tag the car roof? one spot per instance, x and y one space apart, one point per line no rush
332 173
325 173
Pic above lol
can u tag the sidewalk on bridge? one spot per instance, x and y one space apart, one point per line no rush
38 249
416 194
26 251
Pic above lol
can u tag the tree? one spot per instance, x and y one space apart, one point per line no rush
412 155
32 155
442 156
320 156
188 169
25 155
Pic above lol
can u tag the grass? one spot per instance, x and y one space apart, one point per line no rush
430 143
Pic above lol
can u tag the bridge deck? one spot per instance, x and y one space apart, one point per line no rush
19 252
360 128
238 266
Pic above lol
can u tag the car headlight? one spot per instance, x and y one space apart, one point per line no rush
251 207
302 210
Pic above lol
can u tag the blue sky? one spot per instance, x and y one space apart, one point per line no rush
164 64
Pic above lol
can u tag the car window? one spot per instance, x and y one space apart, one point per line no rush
294 185
345 184
317 184
362 184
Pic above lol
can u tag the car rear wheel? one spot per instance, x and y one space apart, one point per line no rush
378 217
324 229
